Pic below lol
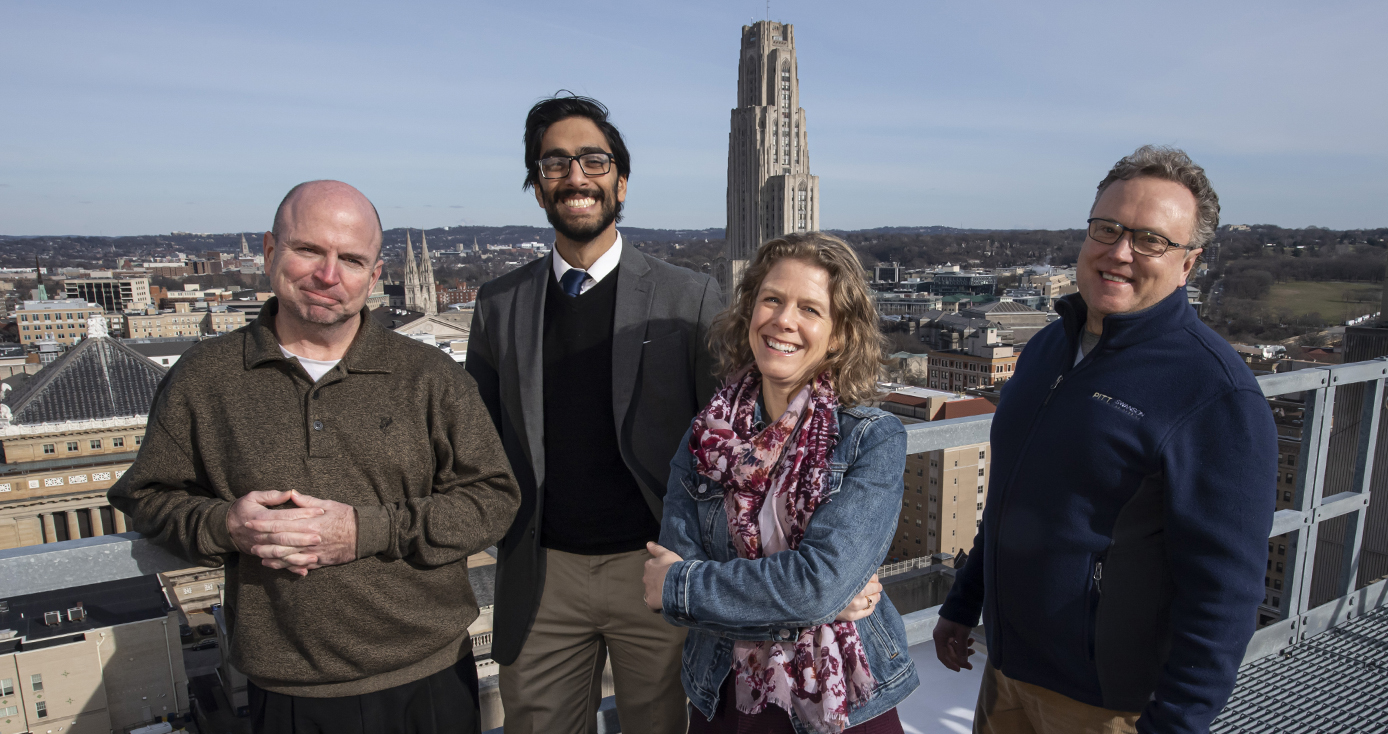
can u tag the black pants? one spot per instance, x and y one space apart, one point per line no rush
444 703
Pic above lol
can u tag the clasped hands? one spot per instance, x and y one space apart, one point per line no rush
311 534
861 605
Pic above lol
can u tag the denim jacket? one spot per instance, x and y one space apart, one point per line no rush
723 598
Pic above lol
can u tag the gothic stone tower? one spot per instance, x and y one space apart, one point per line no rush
419 278
770 189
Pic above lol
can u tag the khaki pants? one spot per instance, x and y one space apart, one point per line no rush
1006 706
591 607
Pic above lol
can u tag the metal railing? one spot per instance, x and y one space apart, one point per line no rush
1299 618
54 566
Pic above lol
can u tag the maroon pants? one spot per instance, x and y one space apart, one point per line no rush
772 720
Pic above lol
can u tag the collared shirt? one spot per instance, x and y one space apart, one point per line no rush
601 267
396 429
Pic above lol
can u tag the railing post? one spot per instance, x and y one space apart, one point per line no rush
1309 488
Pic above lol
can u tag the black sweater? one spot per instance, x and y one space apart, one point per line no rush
592 504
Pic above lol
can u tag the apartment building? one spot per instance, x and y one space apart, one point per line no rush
115 295
983 362
945 491
90 659
1288 451
63 321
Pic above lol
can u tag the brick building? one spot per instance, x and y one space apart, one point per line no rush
63 321
983 362
945 491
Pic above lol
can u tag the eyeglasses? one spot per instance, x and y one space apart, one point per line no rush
1145 242
592 164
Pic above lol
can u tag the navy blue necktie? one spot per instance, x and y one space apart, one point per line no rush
572 281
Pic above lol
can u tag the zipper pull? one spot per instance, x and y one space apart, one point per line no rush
1099 577
1054 385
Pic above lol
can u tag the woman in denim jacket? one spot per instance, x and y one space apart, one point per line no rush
782 503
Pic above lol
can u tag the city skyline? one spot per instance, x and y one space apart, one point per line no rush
145 119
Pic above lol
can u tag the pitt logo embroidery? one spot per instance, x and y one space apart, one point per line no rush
1119 404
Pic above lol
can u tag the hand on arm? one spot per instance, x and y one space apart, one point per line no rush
863 603
654 577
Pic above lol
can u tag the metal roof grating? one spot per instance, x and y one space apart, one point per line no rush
1334 682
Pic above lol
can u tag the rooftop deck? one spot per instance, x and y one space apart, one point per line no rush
1321 668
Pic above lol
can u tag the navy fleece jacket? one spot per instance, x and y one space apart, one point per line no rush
1125 536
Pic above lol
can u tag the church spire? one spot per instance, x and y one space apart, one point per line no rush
411 276
428 300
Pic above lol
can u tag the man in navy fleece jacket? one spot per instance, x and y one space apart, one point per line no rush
1118 567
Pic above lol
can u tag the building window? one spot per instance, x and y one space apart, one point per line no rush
980 505
980 472
9 711
96 443
36 682
139 439
1281 549
118 441
980 454
1276 602
1287 496
1277 584
49 448
41 709
71 445
1291 461
1290 477
1279 567
7 687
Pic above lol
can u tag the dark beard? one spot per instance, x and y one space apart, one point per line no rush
609 208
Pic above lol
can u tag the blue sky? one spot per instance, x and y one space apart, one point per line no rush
146 117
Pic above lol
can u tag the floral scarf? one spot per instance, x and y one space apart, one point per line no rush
774 480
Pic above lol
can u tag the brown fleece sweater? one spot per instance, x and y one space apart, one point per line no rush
396 430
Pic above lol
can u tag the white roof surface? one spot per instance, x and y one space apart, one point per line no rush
944 703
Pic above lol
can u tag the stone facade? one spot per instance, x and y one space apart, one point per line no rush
770 189
67 435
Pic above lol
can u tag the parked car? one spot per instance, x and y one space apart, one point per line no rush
184 631
206 630
207 644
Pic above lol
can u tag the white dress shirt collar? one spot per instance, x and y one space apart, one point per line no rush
605 264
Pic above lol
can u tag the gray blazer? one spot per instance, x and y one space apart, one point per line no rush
662 375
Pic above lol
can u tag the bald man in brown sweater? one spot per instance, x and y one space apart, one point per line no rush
343 474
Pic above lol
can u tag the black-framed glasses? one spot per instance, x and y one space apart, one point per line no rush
592 164
1145 242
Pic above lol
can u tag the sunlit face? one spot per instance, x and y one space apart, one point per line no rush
1113 279
792 325
325 261
579 206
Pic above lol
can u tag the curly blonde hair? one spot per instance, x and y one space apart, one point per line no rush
854 367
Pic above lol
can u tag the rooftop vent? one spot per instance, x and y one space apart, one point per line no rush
77 613
52 619
7 634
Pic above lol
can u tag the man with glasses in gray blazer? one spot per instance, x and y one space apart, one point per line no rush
592 361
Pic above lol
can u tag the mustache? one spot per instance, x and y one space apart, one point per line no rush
596 193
